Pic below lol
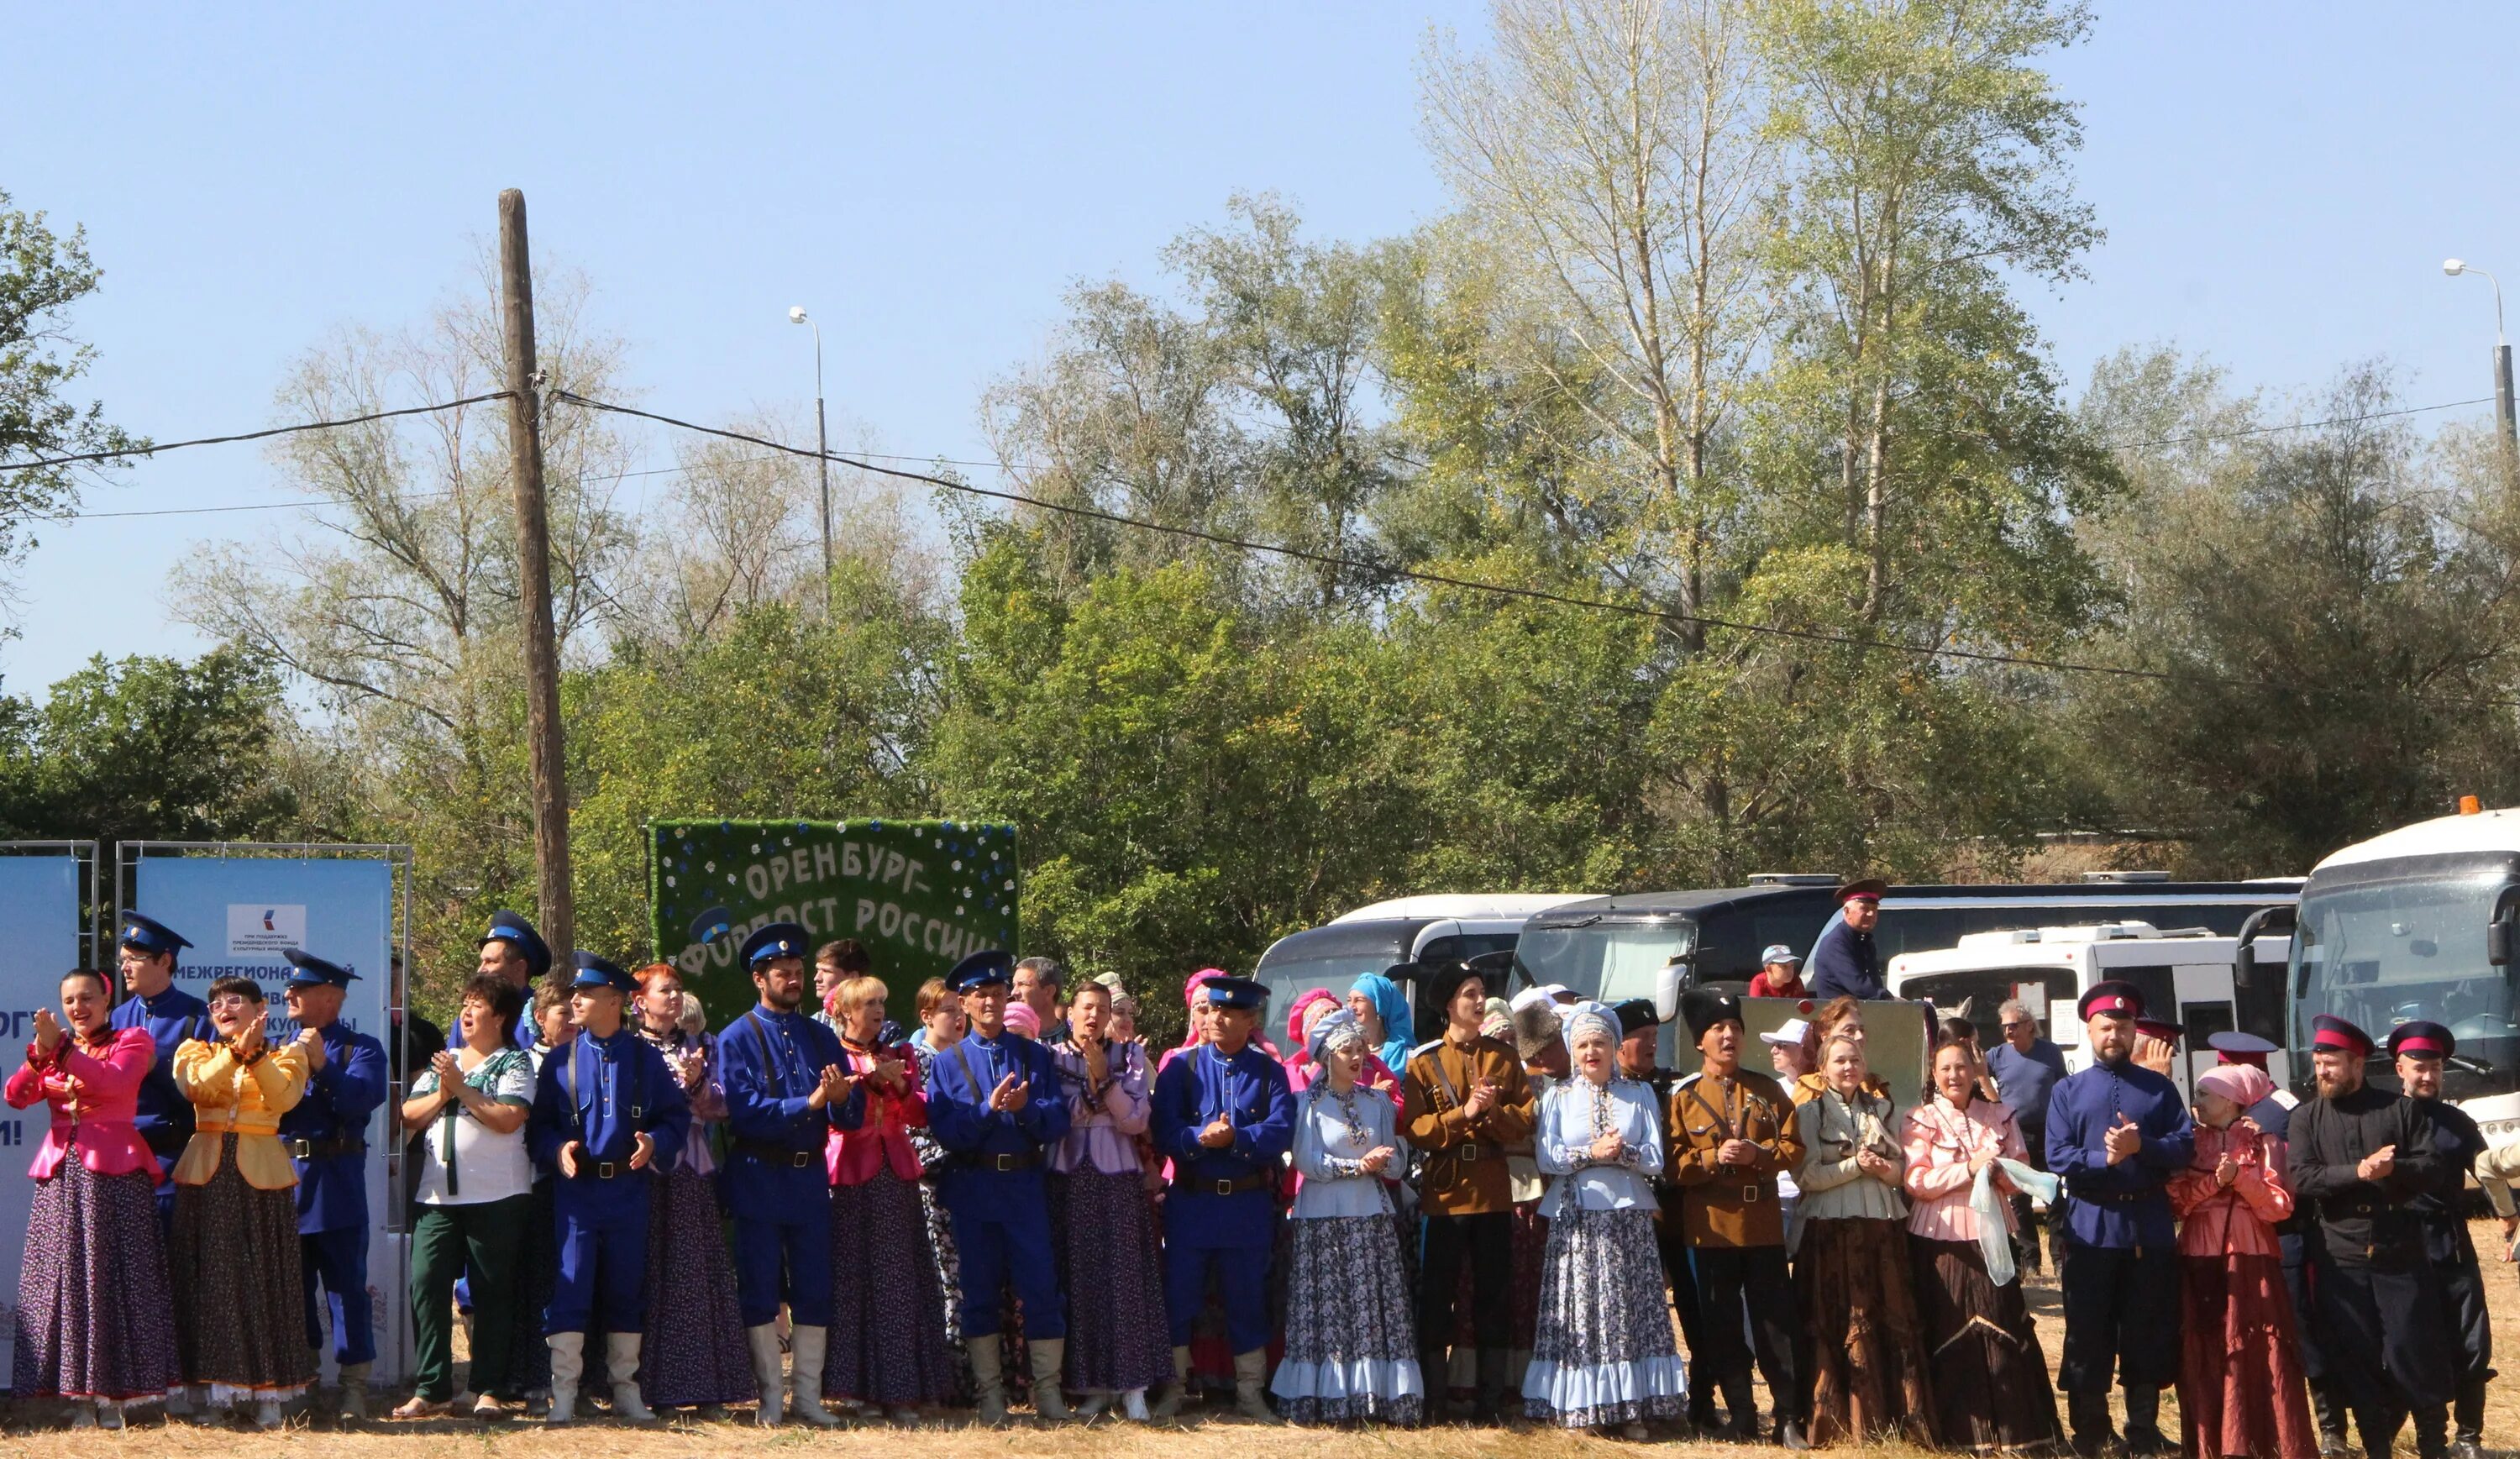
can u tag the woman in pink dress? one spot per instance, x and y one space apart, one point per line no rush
2240 1386
94 1322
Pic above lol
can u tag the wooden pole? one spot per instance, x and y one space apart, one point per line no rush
554 909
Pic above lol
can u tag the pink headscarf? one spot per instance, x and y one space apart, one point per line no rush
1020 1018
2240 1084
1190 999
1295 1039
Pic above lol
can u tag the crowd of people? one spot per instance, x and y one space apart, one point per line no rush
1011 1200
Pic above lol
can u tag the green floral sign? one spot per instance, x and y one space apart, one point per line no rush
920 895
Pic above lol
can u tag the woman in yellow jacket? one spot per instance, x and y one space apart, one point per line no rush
240 1318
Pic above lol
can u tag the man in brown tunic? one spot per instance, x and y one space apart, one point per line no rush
1464 1100
1732 1130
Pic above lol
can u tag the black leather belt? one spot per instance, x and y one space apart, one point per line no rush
602 1169
1466 1150
778 1154
2118 1197
1005 1161
1237 1185
325 1149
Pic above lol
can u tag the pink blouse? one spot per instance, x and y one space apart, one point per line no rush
882 1137
93 1090
1941 1142
2237 1221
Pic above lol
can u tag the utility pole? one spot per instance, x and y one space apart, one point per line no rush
553 912
797 315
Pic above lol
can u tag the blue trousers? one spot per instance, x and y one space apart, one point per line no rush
603 1265
992 1251
779 1261
1244 1272
338 1258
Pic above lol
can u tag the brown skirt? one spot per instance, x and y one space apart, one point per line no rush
2241 1389
239 1317
1991 1388
1867 1378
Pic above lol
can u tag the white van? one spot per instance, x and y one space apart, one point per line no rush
2185 976
1443 927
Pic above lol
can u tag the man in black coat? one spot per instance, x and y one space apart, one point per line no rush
2361 1157
2421 1048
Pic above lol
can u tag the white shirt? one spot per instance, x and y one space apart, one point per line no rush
488 1166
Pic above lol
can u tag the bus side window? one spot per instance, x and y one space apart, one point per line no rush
2155 980
2204 1021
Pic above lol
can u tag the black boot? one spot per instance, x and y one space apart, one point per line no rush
2331 1416
2432 1431
1790 1434
2143 1436
1433 1364
2379 1428
2469 1417
2089 1414
1738 1408
1487 1409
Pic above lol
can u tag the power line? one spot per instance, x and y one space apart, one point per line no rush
2260 430
1378 569
249 435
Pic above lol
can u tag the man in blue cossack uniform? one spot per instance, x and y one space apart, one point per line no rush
147 950
1223 1113
2116 1134
513 949
994 1101
605 1110
326 1135
786 1087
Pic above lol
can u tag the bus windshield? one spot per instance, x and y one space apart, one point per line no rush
2385 952
1612 961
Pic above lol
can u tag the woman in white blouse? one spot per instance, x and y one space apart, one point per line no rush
1850 1237
1351 1330
475 1192
1603 1356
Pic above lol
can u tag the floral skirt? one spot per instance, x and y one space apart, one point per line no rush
240 1312
888 1342
1603 1353
1351 1326
1990 1378
95 1313
1859 1312
1110 1267
694 1353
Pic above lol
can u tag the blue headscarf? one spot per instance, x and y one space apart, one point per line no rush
1392 1005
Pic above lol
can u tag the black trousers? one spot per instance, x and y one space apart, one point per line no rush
2121 1316
1487 1240
2296 1245
2385 1325
1740 1286
2462 1285
1672 1240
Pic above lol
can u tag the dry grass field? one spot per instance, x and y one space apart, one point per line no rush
31 1430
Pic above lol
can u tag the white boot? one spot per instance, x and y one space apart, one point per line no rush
806 1390
266 1414
1133 1406
1169 1401
354 1393
763 1344
622 1356
568 1365
1049 1365
108 1414
988 1380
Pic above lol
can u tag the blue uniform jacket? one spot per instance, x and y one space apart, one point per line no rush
332 1189
959 1116
165 1116
2122 1205
621 1087
1249 1090
1844 961
769 1064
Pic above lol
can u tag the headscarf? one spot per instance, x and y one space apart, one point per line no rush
1578 1019
1021 1019
2240 1084
1190 1000
1295 1019
1497 1021
1393 1007
1337 1027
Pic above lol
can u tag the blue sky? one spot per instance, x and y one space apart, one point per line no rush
2280 184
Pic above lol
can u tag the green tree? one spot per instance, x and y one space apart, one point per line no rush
42 274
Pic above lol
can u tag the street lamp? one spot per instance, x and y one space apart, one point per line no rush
823 447
2502 353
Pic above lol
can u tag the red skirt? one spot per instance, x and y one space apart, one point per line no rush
2241 1389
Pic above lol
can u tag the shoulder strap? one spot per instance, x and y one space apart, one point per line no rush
568 1087
963 1058
769 1062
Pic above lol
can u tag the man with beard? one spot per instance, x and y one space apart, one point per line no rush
2362 1156
2421 1048
2118 1133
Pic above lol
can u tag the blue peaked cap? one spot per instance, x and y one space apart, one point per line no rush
773 939
311 971
148 935
598 972
980 969
508 927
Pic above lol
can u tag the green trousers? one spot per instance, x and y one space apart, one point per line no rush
449 1240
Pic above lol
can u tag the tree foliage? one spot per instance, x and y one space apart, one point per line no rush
42 275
